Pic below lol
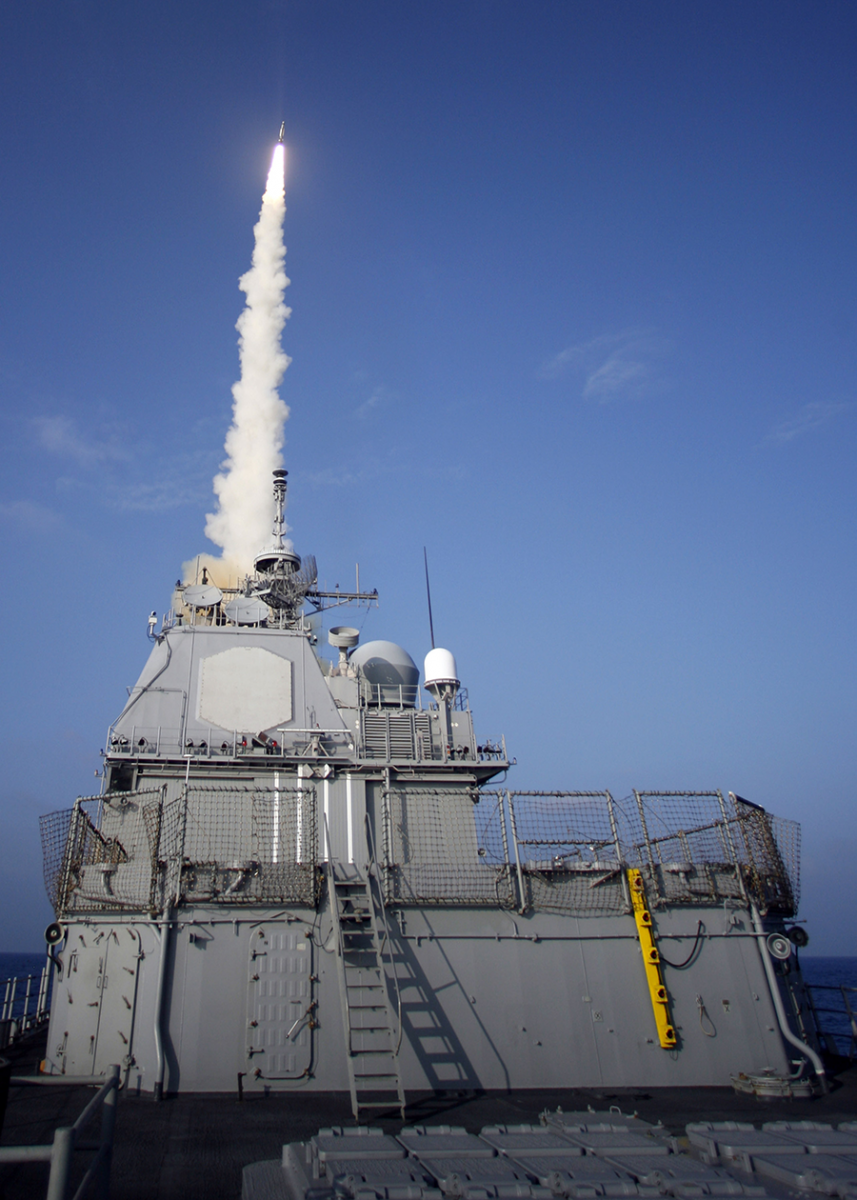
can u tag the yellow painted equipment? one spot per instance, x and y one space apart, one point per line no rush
651 961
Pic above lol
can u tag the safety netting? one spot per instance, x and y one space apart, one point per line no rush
543 851
567 851
445 846
250 845
141 851
702 847
99 854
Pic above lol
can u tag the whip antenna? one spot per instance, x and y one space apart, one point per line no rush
428 597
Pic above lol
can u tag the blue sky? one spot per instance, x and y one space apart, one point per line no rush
573 306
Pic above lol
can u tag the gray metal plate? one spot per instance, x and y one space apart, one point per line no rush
680 1176
527 1139
577 1177
616 1143
443 1141
824 1141
355 1146
737 1144
355 1174
468 1176
597 1122
827 1173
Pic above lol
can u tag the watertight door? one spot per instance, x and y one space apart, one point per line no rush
85 961
118 995
280 1008
98 989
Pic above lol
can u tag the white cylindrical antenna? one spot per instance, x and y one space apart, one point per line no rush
441 674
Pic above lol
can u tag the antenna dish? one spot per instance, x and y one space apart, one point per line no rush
343 637
247 610
202 595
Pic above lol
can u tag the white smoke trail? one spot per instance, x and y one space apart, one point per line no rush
242 524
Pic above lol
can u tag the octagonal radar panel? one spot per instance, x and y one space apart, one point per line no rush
245 688
202 595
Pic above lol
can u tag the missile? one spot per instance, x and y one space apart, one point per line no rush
282 136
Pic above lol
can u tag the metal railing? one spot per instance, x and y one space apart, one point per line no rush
570 850
839 1024
25 1004
67 1138
405 695
230 844
444 844
162 742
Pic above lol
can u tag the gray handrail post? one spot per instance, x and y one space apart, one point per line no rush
108 1121
522 907
61 1153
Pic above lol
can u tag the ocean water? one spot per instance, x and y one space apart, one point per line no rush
19 966
824 976
829 972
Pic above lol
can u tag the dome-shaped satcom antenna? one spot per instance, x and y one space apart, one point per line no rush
389 671
441 674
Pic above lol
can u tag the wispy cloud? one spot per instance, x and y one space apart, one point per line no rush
811 416
147 481
61 435
30 517
161 495
380 396
613 366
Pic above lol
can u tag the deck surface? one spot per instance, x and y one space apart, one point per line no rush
193 1147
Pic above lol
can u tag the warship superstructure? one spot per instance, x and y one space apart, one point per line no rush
306 871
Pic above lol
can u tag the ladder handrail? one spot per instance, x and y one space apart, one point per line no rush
340 968
362 887
373 865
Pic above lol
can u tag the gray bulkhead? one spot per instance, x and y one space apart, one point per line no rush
206 683
488 1000
485 996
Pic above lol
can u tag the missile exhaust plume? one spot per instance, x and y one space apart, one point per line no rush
242 523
